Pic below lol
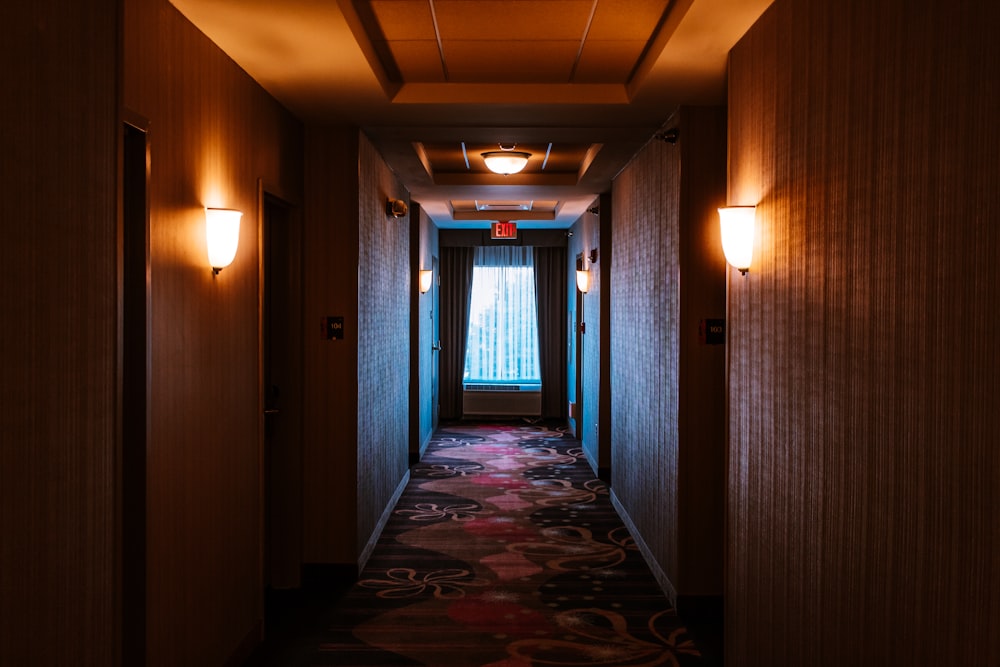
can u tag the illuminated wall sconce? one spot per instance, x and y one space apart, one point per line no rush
222 233
583 272
737 226
426 278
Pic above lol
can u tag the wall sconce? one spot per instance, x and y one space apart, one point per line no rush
222 234
426 278
737 226
582 272
395 207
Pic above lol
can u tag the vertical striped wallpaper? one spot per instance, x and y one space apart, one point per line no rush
214 134
864 458
330 288
645 345
58 339
668 389
383 380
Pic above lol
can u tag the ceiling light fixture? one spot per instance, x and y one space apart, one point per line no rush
505 161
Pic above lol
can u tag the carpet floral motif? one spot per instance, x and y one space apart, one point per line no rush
505 551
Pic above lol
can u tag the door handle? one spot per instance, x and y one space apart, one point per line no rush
436 346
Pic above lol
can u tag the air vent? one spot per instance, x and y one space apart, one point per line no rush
502 387
503 206
509 400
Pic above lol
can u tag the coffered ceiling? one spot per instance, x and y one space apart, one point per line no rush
498 41
581 85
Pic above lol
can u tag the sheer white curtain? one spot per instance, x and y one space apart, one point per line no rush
503 320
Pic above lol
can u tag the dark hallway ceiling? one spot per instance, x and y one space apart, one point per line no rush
579 84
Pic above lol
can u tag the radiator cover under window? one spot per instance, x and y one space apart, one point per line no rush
502 400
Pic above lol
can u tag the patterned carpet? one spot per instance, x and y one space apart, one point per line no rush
505 551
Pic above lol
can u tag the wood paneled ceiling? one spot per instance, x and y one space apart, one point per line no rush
579 84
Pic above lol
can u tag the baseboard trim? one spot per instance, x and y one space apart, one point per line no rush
419 454
701 608
591 458
328 576
661 577
384 519
426 443
248 645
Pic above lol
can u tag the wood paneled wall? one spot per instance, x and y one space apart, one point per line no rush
214 133
668 390
58 346
864 471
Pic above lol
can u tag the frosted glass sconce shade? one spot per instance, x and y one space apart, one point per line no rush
737 226
583 280
426 277
222 233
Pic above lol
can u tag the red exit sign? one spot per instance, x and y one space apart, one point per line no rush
504 229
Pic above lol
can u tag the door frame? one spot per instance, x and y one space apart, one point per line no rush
133 381
579 330
435 397
291 414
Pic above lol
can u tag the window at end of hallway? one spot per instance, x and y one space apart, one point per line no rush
503 318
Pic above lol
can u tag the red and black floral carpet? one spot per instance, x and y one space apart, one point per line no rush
505 551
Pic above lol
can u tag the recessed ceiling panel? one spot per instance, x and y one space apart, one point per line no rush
528 209
607 61
471 61
506 20
564 158
511 41
403 19
504 206
626 19
418 61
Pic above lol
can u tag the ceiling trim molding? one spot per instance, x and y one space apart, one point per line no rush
511 93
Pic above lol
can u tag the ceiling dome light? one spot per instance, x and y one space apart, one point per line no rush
505 161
